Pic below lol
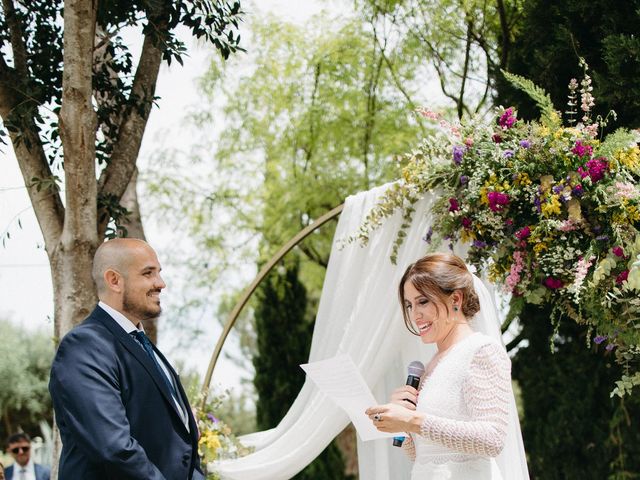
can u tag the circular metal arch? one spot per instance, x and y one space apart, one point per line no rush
244 298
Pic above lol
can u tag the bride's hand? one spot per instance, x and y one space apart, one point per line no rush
393 418
405 396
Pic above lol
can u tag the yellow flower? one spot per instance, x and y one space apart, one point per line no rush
467 235
523 179
210 440
558 133
551 206
539 247
630 158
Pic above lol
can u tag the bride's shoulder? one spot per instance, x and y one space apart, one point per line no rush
486 346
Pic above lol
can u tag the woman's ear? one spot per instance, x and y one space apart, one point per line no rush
457 297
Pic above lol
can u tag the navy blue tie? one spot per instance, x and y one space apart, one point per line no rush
144 341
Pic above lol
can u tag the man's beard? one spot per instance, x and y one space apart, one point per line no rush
138 309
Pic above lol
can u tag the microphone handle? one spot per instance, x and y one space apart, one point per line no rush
414 382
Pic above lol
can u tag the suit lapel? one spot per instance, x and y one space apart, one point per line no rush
139 354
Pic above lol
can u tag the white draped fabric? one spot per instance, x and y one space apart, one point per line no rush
359 314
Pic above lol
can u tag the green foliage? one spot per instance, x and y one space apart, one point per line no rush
549 116
571 426
313 115
549 39
25 360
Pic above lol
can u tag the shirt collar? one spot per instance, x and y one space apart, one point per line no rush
126 324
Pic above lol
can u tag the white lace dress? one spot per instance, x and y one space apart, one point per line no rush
466 401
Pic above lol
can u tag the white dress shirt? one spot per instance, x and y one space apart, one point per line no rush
29 472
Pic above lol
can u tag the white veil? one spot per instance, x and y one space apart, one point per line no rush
512 460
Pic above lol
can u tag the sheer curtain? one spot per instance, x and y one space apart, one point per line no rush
359 314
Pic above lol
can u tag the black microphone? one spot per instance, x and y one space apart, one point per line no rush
415 370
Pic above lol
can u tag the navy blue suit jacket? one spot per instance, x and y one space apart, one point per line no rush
42 473
115 413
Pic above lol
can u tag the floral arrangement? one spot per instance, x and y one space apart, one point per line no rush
217 442
550 211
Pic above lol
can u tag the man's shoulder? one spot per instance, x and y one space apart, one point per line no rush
42 472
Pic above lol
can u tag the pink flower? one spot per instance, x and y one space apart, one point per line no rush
508 118
523 233
581 150
620 279
497 201
618 251
552 283
595 168
517 266
468 142
453 205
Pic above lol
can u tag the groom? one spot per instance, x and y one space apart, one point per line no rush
119 404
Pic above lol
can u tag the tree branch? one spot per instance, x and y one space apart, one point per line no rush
17 40
116 176
18 111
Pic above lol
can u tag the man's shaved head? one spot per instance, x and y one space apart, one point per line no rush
117 255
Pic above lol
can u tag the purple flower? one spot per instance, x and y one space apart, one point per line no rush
525 143
578 191
458 153
557 189
479 244
599 339
609 347
453 205
508 118
497 201
496 138
463 179
466 222
595 168
622 277
508 153
552 283
212 418
523 233
581 150
428 235
537 203
602 238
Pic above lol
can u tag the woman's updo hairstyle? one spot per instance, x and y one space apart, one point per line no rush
437 276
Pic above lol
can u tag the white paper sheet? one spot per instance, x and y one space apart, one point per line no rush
340 380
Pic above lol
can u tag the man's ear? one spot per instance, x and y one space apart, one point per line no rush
113 281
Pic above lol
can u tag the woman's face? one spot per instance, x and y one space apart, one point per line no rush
432 327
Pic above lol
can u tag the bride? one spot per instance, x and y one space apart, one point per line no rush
461 421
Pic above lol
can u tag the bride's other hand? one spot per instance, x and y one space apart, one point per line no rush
405 396
393 418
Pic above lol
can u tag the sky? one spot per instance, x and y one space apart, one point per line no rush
26 295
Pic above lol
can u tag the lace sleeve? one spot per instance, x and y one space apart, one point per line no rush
409 448
487 390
